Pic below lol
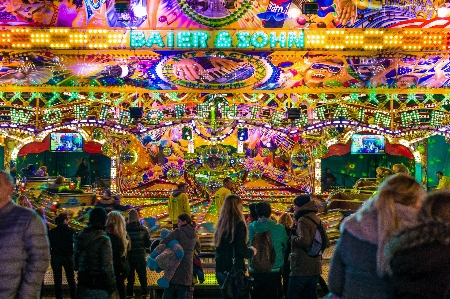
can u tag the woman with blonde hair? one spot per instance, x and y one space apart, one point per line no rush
116 230
23 201
359 268
420 256
231 236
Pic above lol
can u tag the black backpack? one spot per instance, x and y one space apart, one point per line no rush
320 241
265 256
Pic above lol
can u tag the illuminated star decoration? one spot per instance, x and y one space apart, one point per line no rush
79 161
350 166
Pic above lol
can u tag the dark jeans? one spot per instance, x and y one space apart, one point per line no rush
140 266
266 285
85 293
170 291
120 285
220 276
304 287
286 272
58 262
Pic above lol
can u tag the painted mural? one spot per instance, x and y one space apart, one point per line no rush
225 13
227 70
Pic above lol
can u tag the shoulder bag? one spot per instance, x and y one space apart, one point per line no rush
237 284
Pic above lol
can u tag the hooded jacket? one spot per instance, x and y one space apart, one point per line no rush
178 204
277 234
353 269
94 258
301 263
420 262
188 240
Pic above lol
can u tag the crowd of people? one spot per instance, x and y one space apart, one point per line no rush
396 246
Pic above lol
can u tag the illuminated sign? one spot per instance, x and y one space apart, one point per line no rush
223 39
230 39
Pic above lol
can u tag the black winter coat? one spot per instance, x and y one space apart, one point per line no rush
117 250
94 260
61 240
420 262
224 253
140 240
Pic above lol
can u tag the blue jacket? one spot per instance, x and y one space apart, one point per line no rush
25 252
278 235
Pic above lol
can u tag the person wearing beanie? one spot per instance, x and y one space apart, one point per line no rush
140 241
305 270
94 259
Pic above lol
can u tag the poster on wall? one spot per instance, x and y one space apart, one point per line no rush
153 14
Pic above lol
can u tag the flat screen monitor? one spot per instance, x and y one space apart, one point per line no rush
66 142
367 144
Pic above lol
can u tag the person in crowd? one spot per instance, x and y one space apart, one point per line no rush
252 216
328 179
186 236
359 267
382 174
140 240
58 182
444 181
94 259
420 256
321 208
320 202
400 168
23 201
30 170
231 235
83 172
288 223
109 202
268 285
61 250
41 212
222 193
178 203
24 246
42 171
116 230
305 270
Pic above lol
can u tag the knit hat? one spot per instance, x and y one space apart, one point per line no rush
98 216
301 200
133 216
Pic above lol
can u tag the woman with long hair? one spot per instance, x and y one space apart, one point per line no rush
359 268
186 236
420 256
116 230
231 235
